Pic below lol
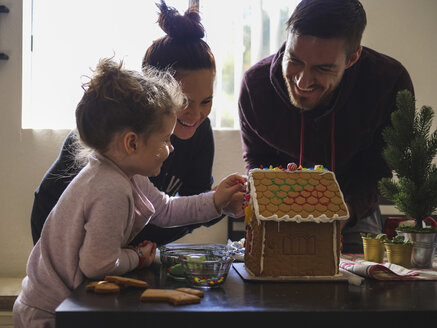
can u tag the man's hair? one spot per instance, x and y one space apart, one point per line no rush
341 19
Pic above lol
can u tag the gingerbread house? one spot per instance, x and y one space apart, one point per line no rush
293 222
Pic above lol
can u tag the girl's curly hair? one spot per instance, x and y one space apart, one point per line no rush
117 99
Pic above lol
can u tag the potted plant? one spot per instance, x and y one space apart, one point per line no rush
373 246
399 250
409 153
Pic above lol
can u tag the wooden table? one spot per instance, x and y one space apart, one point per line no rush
239 303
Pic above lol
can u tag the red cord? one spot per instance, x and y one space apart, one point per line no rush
333 142
302 122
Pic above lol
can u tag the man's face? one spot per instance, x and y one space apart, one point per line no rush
313 68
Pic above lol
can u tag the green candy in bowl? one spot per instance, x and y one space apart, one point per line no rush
170 256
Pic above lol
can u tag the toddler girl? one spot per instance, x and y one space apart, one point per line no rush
126 119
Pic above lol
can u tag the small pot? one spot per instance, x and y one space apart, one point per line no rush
424 246
373 250
399 254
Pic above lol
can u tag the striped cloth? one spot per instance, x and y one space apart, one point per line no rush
385 271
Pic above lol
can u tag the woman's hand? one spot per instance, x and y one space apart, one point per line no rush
229 194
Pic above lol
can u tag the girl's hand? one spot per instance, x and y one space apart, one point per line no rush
149 250
229 193
235 206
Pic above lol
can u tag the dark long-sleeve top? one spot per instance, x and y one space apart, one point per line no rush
347 132
187 171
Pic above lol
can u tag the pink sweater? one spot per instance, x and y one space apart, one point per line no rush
87 232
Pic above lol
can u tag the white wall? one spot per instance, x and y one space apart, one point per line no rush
403 29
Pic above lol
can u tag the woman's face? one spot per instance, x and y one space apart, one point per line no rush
198 86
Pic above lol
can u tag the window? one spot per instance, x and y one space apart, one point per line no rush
69 37
240 37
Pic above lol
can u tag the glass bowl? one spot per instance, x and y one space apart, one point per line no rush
170 255
206 270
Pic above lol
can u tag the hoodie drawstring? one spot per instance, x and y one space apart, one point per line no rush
302 123
302 136
333 142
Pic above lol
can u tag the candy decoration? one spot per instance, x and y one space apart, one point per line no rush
248 212
211 281
312 193
292 167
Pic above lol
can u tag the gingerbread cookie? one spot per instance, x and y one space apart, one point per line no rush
90 287
126 281
175 297
192 291
105 287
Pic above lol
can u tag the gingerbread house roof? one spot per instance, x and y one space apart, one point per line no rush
304 195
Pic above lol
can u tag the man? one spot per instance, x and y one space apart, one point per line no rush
325 99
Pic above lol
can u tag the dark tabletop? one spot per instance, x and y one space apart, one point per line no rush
257 304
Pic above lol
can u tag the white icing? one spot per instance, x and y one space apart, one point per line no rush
298 219
291 277
250 238
334 243
262 248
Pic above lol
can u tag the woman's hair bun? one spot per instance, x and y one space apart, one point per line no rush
186 27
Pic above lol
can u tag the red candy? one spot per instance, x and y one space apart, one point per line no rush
292 167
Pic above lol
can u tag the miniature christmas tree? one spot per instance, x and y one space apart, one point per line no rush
409 154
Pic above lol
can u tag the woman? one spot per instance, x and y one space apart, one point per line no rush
188 170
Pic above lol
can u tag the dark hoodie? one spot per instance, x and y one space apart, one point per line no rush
346 134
